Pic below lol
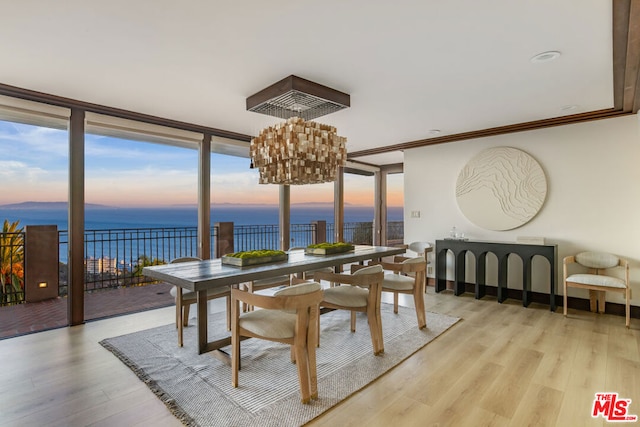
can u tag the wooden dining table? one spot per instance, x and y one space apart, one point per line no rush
200 276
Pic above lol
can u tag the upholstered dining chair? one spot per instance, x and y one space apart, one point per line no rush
598 279
358 292
422 249
261 284
188 298
290 316
308 275
406 276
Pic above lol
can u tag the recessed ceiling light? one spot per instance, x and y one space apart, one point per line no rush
546 56
434 132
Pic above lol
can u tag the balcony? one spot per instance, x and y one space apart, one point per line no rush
114 258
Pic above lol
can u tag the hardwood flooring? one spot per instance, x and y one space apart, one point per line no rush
502 365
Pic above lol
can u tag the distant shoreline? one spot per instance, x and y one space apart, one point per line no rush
64 205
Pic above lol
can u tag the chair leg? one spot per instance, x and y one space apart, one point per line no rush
179 325
593 301
601 301
564 300
628 308
395 302
312 342
373 330
228 313
178 315
235 345
318 330
302 362
246 287
353 321
185 316
418 301
378 319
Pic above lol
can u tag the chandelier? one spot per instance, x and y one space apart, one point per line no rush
298 151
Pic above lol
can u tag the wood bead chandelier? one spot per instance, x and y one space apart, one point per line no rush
298 152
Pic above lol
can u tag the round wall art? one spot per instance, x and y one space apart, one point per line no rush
501 188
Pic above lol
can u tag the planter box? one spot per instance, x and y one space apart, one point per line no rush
328 251
243 262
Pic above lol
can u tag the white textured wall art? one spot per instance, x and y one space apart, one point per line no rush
501 188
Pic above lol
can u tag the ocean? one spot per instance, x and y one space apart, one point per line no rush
119 218
134 232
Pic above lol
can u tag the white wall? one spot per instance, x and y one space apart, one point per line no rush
593 197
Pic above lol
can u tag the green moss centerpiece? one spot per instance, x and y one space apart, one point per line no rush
262 256
328 248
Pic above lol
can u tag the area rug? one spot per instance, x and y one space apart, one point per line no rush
197 388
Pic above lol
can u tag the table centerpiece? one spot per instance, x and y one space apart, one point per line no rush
328 248
262 256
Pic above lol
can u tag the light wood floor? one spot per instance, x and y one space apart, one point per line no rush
502 365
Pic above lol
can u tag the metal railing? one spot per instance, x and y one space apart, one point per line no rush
395 232
248 237
115 257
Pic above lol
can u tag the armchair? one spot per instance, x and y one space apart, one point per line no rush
422 249
361 294
290 316
597 280
407 276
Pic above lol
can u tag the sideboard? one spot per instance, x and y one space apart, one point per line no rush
501 250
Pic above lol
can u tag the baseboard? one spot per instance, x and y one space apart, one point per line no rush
614 308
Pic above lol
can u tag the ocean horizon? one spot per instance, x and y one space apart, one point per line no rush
105 217
126 250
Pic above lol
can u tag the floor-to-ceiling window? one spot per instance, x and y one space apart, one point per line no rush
236 196
395 208
309 204
140 210
359 191
34 162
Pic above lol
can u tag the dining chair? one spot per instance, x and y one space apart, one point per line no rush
189 297
290 316
598 279
357 292
406 276
309 274
422 249
261 284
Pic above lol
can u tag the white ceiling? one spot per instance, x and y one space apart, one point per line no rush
409 66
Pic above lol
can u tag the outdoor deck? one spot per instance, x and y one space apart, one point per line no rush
39 316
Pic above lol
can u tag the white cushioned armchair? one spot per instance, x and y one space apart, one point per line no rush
597 278
290 316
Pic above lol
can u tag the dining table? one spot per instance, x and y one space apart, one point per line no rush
201 276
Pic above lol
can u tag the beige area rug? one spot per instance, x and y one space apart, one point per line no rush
197 388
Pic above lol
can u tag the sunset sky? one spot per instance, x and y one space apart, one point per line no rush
34 167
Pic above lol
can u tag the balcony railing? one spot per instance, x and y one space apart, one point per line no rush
115 257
